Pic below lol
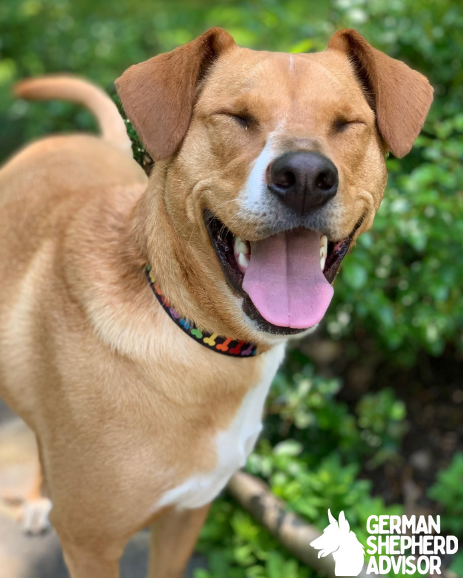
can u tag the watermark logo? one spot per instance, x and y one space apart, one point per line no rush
396 544
338 539
395 547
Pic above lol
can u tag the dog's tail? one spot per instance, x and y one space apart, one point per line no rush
79 91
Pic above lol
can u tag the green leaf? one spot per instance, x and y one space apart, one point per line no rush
354 274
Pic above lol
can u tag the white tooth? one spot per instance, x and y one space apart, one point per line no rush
244 248
323 250
241 246
242 260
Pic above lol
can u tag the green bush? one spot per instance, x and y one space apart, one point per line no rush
303 407
448 492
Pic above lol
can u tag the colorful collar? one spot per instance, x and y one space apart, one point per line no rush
224 345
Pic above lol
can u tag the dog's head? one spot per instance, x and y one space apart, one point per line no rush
272 164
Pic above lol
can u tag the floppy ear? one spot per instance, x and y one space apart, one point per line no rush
400 96
343 523
158 94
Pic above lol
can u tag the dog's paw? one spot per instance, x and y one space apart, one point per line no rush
34 516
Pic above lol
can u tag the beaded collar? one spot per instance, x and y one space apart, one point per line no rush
224 345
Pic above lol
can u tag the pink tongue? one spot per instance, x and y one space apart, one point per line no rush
284 279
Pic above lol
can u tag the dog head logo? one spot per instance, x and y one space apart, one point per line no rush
338 539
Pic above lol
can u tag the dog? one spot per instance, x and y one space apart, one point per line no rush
143 320
339 540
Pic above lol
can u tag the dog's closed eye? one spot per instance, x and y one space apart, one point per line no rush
244 119
341 124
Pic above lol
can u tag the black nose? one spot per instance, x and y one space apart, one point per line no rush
303 180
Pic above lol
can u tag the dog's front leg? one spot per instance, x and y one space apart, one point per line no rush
173 538
85 563
89 550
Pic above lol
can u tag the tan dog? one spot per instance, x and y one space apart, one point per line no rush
136 422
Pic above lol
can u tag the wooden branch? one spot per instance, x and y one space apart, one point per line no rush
291 531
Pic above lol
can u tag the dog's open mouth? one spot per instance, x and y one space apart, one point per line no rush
285 279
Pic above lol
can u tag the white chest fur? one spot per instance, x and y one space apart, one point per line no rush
233 445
